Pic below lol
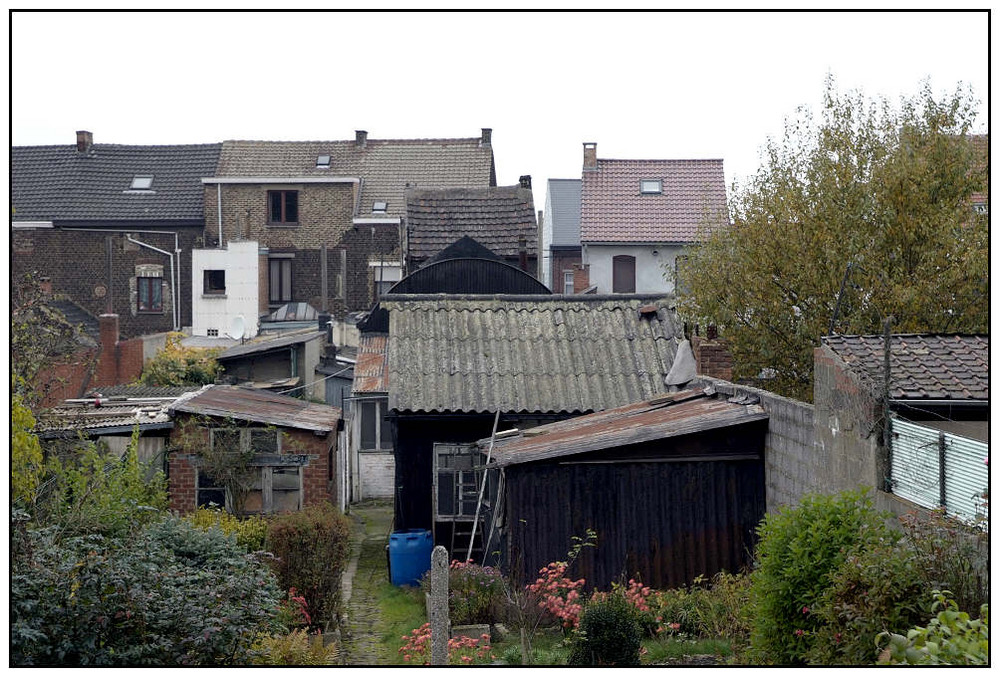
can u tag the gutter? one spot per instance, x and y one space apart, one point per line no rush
278 179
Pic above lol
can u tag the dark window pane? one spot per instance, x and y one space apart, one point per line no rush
623 275
156 294
264 441
446 493
291 206
215 282
226 440
386 432
274 198
369 414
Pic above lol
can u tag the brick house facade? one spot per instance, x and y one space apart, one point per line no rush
329 214
111 227
296 441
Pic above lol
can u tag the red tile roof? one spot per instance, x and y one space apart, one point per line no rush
613 209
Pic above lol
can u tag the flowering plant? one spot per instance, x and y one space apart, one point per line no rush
559 595
461 650
474 593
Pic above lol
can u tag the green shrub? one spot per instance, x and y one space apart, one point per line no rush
92 491
716 609
177 365
475 593
950 638
800 549
250 531
608 635
298 647
311 549
169 595
880 588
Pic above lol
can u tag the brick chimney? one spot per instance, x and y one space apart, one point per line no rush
107 362
712 356
589 155
360 138
487 137
84 140
525 181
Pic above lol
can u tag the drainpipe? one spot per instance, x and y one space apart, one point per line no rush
218 200
171 257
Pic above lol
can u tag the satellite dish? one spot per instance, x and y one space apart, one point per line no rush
237 328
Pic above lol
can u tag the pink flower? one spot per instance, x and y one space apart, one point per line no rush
805 610
799 633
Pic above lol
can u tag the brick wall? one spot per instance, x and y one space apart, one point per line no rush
182 478
561 262
70 378
581 277
75 261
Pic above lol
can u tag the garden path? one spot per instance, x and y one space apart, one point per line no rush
366 570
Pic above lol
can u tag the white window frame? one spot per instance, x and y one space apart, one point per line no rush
381 409
463 482
568 282
650 186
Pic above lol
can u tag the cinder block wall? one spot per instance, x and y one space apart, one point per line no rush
791 467
377 471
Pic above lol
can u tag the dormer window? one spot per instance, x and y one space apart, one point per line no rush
323 162
650 186
142 183
380 207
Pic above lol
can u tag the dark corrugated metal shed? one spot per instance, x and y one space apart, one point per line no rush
674 489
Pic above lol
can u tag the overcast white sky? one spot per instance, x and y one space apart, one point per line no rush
641 85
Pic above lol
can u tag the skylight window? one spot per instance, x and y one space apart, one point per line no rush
323 162
380 207
650 186
142 183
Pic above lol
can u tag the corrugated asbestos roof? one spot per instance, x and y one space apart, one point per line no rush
564 211
260 406
265 345
495 217
57 183
673 415
110 415
921 366
613 210
526 353
370 375
386 167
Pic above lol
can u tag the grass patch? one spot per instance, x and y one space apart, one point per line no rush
403 609
662 650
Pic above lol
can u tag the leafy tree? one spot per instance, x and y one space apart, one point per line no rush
878 192
177 365
25 453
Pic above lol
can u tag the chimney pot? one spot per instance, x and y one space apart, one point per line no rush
361 137
487 136
525 181
84 140
589 155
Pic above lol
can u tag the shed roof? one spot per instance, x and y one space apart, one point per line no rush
259 406
673 415
496 217
921 366
613 209
60 184
541 353
118 416
370 375
386 167
267 344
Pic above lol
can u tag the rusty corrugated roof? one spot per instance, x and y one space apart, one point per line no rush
248 404
672 415
370 375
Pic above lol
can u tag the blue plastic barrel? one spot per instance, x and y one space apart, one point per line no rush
409 555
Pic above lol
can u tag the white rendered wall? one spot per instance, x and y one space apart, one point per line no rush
217 311
545 250
650 271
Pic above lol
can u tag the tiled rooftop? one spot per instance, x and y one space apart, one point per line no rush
57 183
495 217
369 371
613 209
921 366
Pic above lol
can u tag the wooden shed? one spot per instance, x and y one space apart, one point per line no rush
673 487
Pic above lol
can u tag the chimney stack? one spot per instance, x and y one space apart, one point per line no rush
361 138
589 155
84 140
487 137
525 181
